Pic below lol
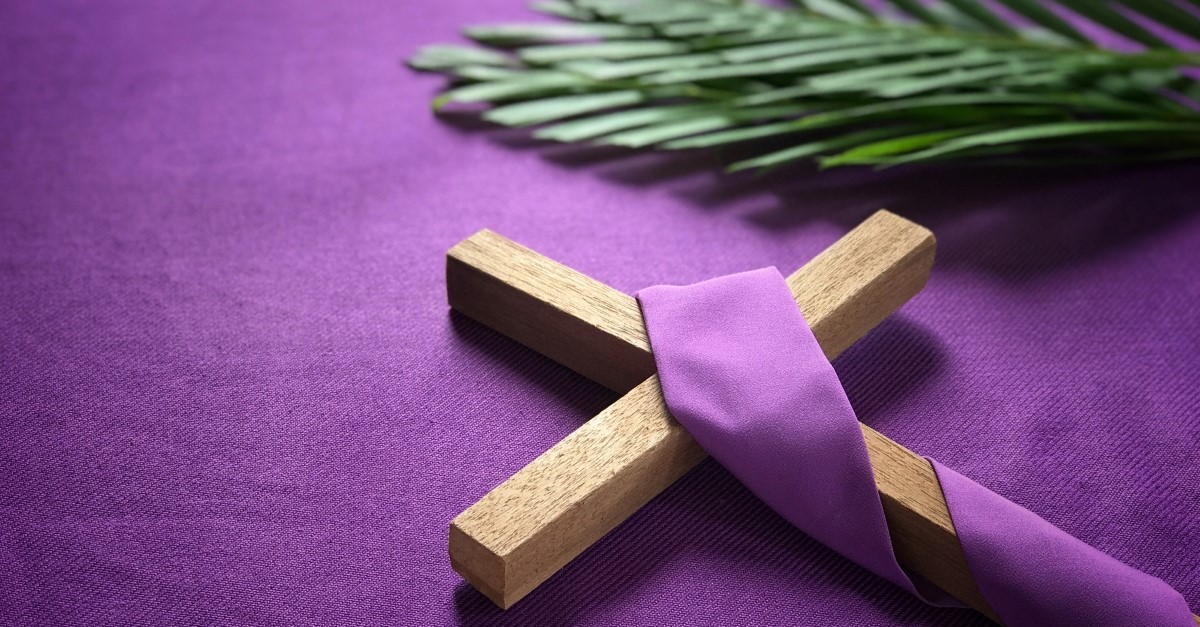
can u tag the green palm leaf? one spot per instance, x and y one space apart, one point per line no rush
907 82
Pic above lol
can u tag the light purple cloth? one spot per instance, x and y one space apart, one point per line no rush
742 371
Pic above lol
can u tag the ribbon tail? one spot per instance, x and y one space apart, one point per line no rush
1033 573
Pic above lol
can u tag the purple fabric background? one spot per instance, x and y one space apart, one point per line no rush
231 391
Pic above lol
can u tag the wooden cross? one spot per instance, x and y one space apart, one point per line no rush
530 526
533 524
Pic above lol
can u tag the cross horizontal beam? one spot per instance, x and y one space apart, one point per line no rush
531 525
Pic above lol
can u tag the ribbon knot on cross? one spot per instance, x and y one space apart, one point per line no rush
736 357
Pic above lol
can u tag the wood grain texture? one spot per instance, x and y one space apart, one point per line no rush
569 317
534 523
573 494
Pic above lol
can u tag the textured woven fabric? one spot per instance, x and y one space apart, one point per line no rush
231 391
741 370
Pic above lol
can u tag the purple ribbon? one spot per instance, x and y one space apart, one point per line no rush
742 371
